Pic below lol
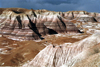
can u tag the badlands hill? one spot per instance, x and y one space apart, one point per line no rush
31 24
43 38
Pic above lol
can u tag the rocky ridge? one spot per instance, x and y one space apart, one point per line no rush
68 55
75 42
23 24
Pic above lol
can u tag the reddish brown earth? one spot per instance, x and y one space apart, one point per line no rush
25 33
83 53
15 53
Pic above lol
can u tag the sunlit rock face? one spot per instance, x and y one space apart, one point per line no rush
74 42
86 18
69 55
32 25
24 24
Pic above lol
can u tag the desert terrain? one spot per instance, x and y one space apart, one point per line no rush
43 38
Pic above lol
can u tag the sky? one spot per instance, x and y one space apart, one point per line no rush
54 5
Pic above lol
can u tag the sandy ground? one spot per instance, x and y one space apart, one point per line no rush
14 53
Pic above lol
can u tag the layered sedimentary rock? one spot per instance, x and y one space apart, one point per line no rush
28 25
68 55
75 44
24 24
86 18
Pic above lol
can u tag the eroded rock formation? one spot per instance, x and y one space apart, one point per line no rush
23 24
77 38
30 25
67 55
